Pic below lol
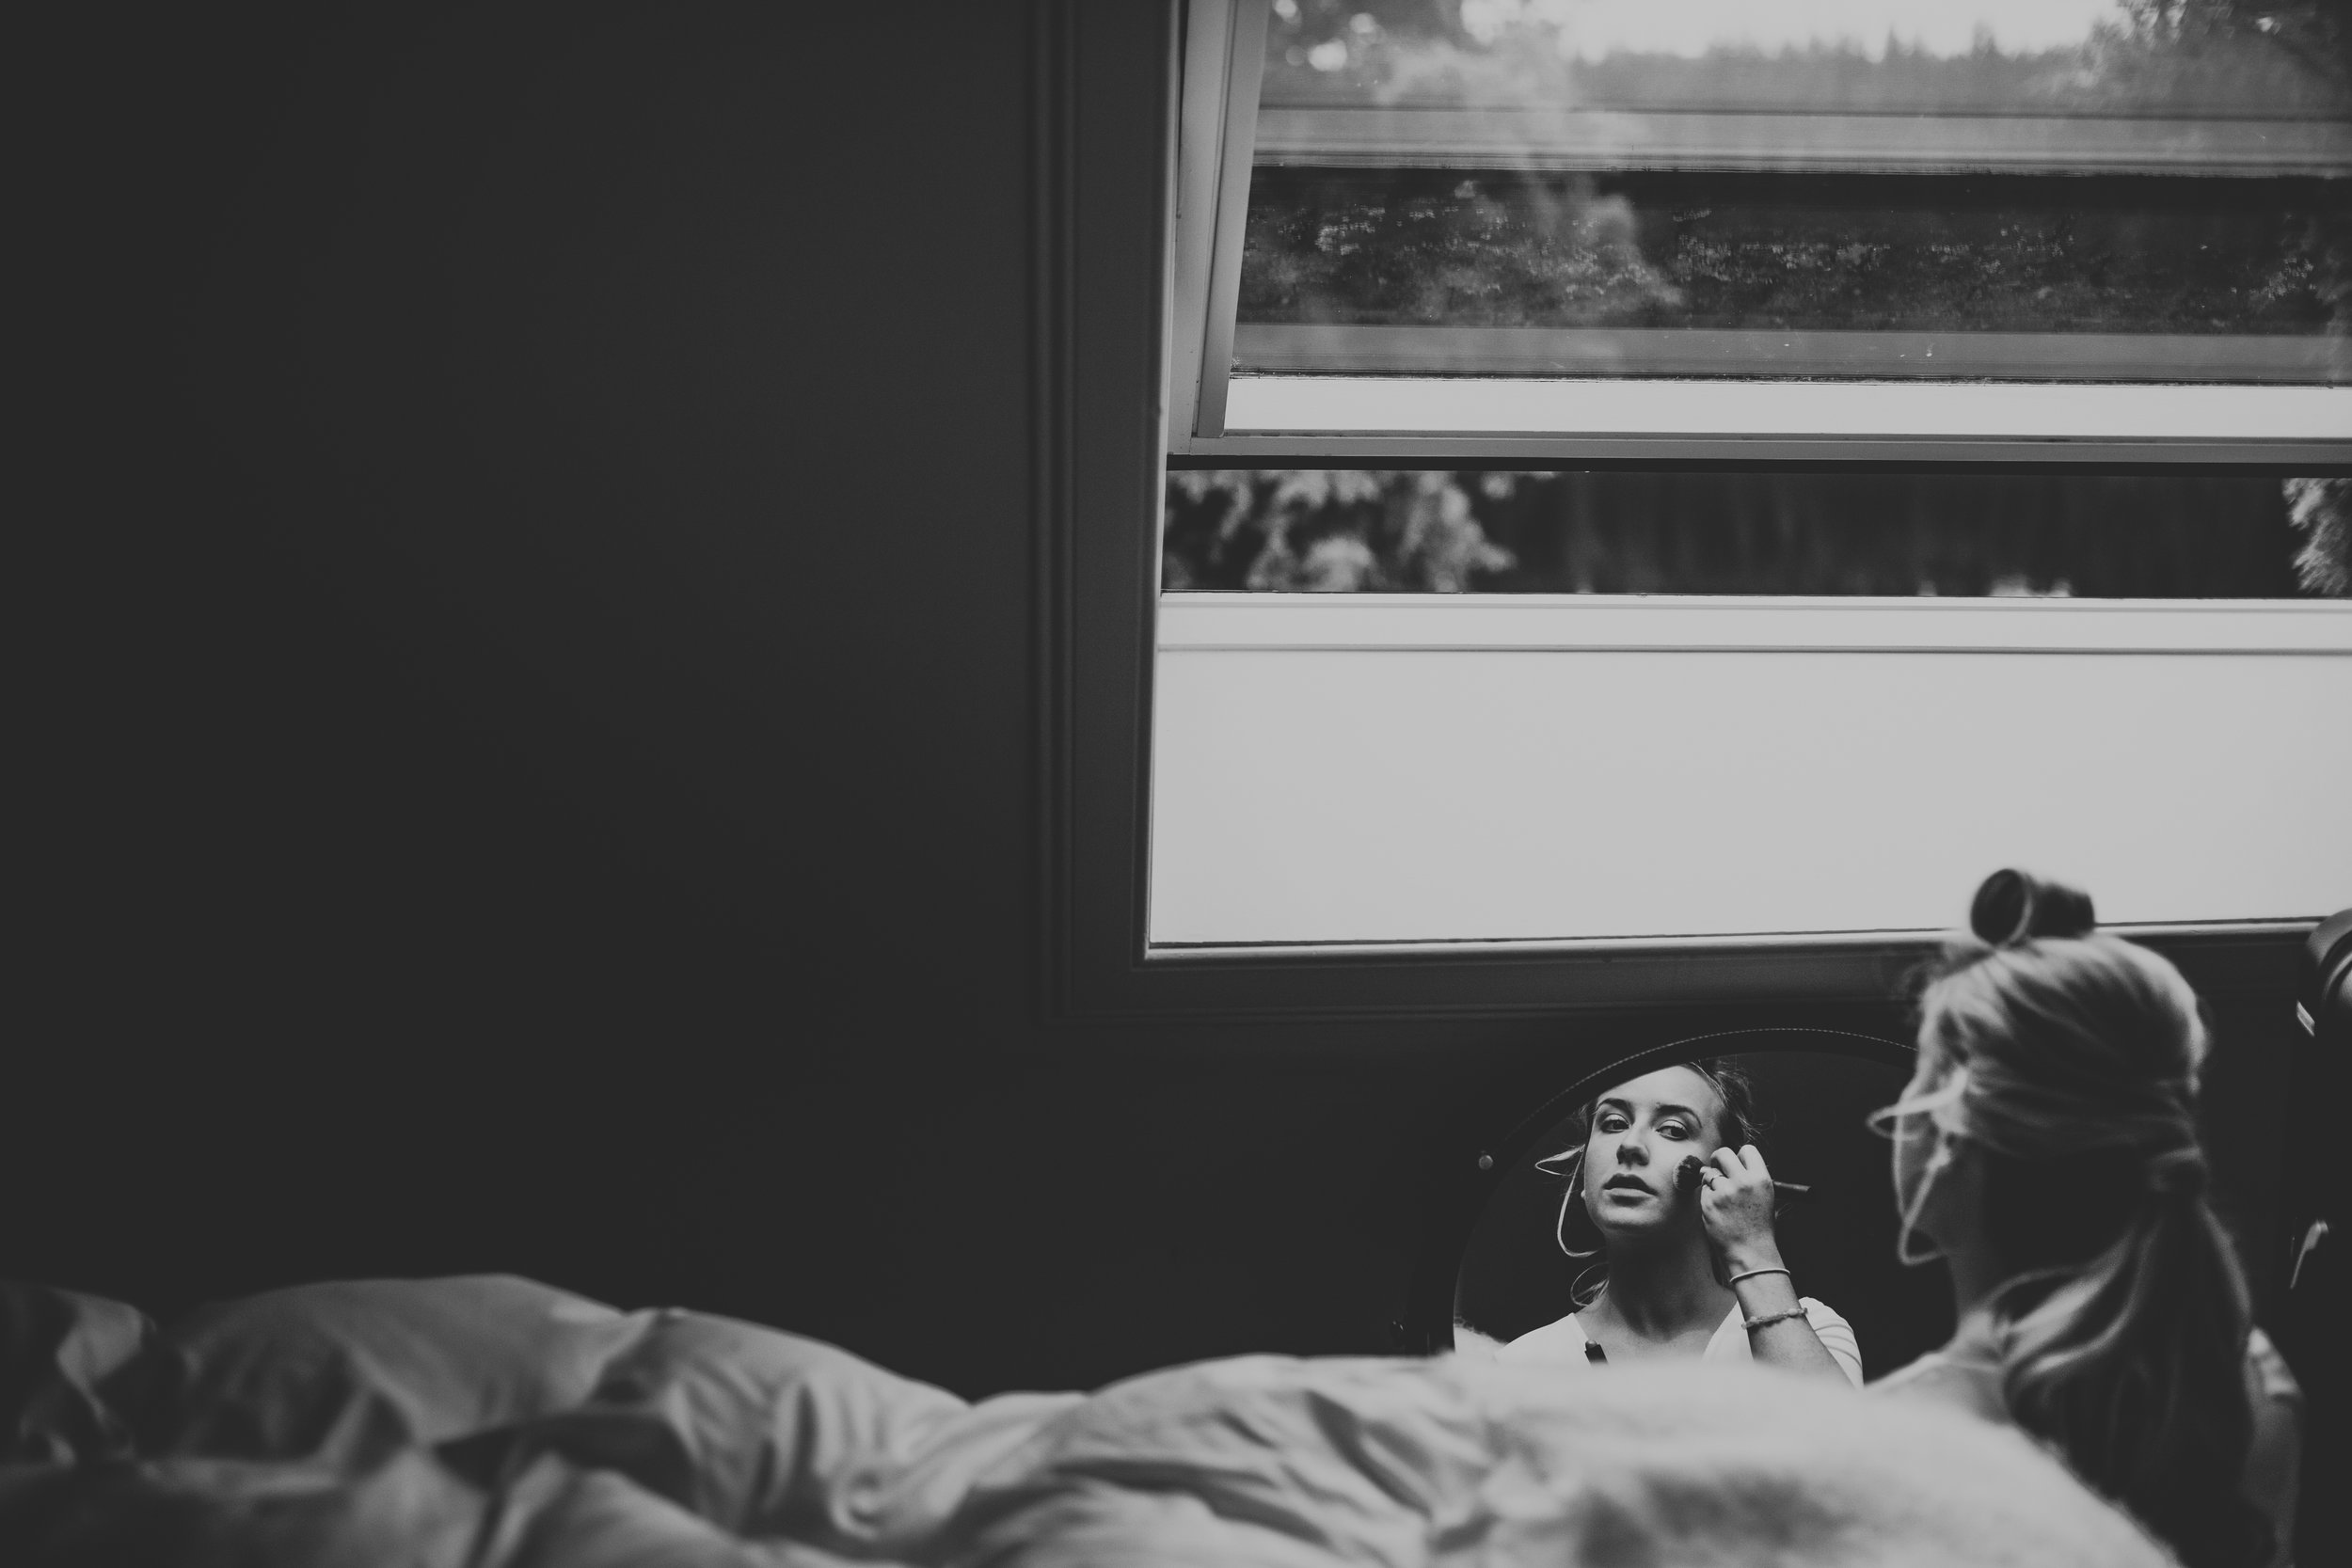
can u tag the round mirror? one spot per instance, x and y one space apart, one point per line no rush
1836 1220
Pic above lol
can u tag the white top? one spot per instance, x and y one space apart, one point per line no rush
1563 1342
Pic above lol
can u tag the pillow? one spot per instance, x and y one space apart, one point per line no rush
56 1347
757 1431
234 1514
554 1516
345 1374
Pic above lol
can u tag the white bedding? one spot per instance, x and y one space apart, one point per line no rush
491 1424
1455 1463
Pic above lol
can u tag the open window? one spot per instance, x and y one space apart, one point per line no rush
1553 231
1660 501
1695 704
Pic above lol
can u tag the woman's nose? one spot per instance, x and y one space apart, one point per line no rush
1632 1151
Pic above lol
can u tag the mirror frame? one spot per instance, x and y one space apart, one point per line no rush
1427 1328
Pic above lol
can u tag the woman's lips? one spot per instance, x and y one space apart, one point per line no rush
1627 1184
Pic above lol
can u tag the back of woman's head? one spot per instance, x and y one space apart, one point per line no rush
2071 1061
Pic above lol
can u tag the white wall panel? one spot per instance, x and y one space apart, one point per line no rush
1309 793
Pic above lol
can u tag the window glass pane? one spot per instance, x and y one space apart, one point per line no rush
1960 535
2105 190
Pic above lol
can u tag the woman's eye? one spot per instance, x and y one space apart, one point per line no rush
1613 1124
1673 1130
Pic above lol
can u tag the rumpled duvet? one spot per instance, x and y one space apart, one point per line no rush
491 1423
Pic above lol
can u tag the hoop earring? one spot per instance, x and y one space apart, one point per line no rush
1571 1167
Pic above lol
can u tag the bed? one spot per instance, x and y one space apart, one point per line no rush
495 1422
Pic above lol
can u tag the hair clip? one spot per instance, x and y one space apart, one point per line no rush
2014 906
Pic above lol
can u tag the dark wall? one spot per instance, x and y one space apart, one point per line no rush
530 748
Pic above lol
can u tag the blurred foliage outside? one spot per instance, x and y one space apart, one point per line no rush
1797 252
2282 58
1463 247
1785 251
1358 531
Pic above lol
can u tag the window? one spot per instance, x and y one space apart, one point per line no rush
1416 708
1799 456
1676 722
2113 229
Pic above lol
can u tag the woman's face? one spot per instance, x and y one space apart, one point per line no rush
1643 1129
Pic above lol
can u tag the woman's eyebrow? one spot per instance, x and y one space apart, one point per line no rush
1625 1106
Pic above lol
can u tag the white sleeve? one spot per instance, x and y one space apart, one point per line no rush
1836 1336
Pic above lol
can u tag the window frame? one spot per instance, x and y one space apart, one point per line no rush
1109 334
1988 422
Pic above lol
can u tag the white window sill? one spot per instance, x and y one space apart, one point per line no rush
1723 410
1538 622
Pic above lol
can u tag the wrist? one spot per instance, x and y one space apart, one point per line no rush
1752 1256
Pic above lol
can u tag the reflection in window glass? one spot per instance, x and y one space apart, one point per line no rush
1963 535
2149 190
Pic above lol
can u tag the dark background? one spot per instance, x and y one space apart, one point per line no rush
524 532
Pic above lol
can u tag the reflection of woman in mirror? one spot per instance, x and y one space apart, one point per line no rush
2047 1149
1682 1265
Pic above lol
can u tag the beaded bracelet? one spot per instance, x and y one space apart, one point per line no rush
1751 1273
1752 1324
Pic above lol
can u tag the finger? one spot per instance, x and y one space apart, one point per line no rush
1727 1163
1753 1158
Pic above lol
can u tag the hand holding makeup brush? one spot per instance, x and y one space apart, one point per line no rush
1736 1208
1687 1179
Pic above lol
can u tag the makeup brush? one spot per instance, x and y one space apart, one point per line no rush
1687 1179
